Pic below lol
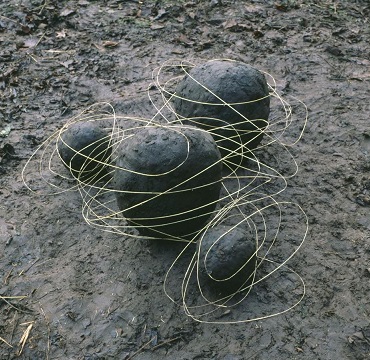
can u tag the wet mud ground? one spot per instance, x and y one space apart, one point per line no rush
95 295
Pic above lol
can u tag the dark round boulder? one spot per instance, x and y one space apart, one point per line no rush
84 149
227 259
168 180
201 96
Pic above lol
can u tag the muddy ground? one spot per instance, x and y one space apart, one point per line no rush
96 295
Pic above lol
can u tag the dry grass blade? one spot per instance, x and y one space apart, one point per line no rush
48 338
6 279
4 341
6 298
19 297
166 342
140 349
24 338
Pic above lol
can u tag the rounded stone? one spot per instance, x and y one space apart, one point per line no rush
202 97
227 258
84 149
168 180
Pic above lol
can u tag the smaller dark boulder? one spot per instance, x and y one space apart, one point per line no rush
84 148
227 259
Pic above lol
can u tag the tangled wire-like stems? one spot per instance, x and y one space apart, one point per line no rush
249 198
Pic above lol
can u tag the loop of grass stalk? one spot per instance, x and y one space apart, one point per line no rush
249 197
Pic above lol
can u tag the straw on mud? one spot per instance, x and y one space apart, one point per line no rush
29 267
7 276
48 340
4 341
24 338
165 342
6 298
141 349
14 321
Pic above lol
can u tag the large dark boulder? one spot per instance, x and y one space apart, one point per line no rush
168 180
228 98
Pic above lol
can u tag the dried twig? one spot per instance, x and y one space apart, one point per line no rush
48 343
154 347
5 299
11 20
141 349
29 267
6 280
166 342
